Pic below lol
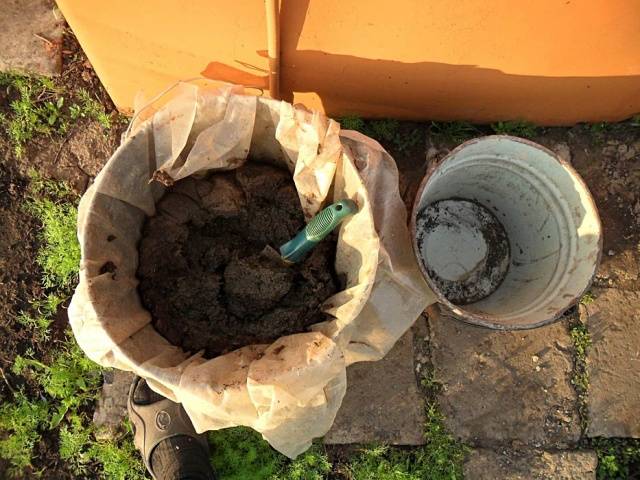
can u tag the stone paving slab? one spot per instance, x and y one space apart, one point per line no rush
111 409
30 37
613 364
505 388
484 464
383 403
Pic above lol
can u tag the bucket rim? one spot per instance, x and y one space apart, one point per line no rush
484 320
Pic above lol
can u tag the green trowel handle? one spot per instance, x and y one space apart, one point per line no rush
319 227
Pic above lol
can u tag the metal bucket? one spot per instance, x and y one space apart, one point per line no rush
543 207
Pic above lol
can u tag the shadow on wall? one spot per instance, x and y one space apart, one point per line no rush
347 84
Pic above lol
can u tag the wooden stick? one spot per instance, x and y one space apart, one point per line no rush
273 46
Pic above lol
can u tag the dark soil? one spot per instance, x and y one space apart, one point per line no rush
19 275
203 272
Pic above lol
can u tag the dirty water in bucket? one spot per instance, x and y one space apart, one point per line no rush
464 247
203 273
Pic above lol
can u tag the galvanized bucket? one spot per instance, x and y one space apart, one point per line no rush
543 207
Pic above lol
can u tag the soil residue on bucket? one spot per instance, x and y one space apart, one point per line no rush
204 275
465 249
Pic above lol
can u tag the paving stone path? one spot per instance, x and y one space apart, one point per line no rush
505 389
383 403
31 40
613 364
485 464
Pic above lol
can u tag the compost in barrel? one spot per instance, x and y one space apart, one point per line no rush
203 271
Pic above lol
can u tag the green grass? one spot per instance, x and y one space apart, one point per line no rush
311 465
54 205
40 106
440 459
391 133
240 453
517 128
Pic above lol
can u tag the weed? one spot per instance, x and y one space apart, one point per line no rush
89 107
443 455
382 463
455 132
587 298
618 458
41 186
53 204
600 128
40 320
410 139
22 419
37 108
353 123
429 381
517 128
71 379
399 136
70 382
635 121
311 465
38 324
384 129
580 379
40 107
440 459
581 340
119 460
73 440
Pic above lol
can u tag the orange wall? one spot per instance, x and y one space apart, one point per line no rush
548 61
